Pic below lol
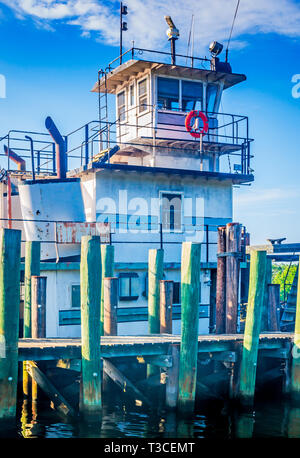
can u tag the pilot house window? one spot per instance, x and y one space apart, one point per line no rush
168 93
121 106
171 209
192 95
143 97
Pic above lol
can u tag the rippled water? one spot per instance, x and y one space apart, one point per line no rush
269 419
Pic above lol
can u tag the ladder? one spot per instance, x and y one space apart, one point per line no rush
287 321
104 139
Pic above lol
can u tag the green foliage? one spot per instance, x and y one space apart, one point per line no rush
282 273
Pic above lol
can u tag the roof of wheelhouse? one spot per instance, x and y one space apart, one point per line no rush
137 68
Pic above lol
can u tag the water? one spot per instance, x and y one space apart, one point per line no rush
269 419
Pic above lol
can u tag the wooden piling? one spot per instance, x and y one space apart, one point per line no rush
38 306
221 282
258 261
265 310
190 293
273 307
233 235
155 274
10 248
295 378
172 378
166 304
110 286
107 262
90 290
38 317
32 267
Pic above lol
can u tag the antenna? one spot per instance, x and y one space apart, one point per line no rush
123 27
234 18
172 34
191 36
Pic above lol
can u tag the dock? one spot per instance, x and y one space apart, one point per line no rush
134 346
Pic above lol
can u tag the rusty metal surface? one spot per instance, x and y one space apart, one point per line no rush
69 232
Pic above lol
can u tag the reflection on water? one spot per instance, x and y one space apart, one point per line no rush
269 419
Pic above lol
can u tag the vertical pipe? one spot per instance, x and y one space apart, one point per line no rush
190 293
233 232
9 202
107 261
110 286
121 33
295 379
212 300
53 158
258 261
10 248
86 135
221 282
155 274
207 242
166 304
32 267
90 291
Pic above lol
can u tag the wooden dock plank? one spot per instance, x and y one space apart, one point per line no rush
118 346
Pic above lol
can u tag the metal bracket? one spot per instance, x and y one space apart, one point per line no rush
281 353
157 360
224 356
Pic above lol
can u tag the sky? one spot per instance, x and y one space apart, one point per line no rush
51 52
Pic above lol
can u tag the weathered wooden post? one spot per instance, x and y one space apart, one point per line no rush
258 261
110 286
233 234
221 282
90 291
107 261
172 378
38 306
38 316
295 378
265 311
273 307
10 247
155 274
245 271
166 304
32 267
190 293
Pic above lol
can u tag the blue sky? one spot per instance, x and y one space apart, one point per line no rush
51 51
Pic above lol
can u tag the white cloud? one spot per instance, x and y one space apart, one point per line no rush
146 25
266 196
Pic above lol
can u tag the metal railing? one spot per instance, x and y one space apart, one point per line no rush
228 132
160 57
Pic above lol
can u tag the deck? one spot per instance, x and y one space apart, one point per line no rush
149 345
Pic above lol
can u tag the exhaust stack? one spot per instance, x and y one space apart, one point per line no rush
16 158
60 148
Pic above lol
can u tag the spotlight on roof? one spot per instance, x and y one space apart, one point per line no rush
215 48
172 32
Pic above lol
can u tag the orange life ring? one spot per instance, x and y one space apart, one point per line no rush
196 114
